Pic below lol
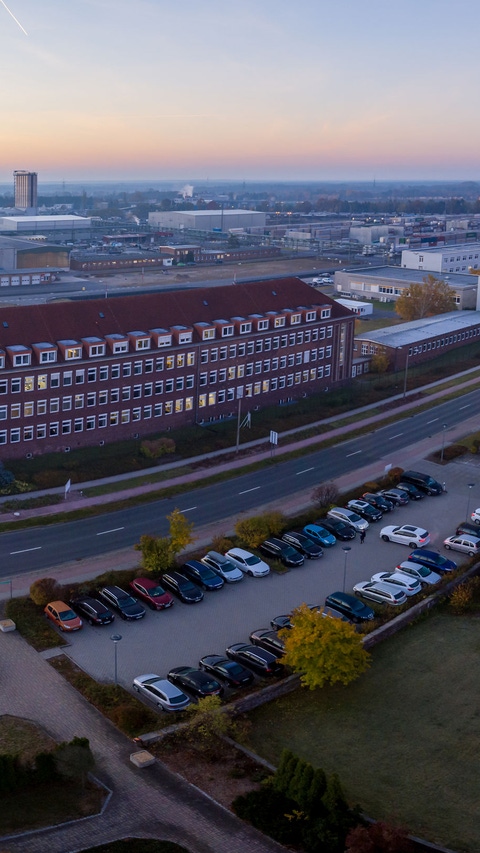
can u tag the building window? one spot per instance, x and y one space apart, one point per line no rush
188 403
203 379
202 401
15 410
204 356
265 386
148 365
78 425
181 359
231 373
127 368
41 430
212 398
4 386
245 328
92 374
190 359
329 330
242 348
147 390
90 422
68 377
214 354
66 427
91 398
295 319
227 331
28 410
125 416
114 418
103 398
159 363
208 334
79 401
179 383
159 387
284 341
257 388
47 356
126 392
28 383
262 325
54 429
120 346
66 404
79 377
14 435
97 349
232 351
170 362
213 377
54 405
103 373
115 372
136 414
137 367
142 343
279 322
16 386
178 406
267 344
72 353
223 353
169 386
147 412
102 421
158 409
114 395
3 413
42 382
21 360
190 381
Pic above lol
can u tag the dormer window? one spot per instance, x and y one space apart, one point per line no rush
325 313
21 356
245 327
2 359
73 352
45 352
208 334
120 346
183 334
227 331
94 346
118 343
311 316
161 337
263 325
279 322
140 340
295 319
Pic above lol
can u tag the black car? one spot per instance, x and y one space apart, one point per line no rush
287 554
397 496
260 661
232 673
424 482
182 587
350 606
379 502
465 527
202 575
340 529
268 640
413 493
196 682
125 604
92 610
285 620
310 549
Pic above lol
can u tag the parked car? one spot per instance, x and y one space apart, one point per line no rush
63 616
223 669
331 613
260 661
202 575
269 640
249 563
433 560
284 621
152 593
340 529
92 610
412 491
396 496
349 516
310 549
406 534
350 606
287 554
365 509
383 593
182 587
161 692
379 501
195 682
320 534
468 528
125 604
223 567
407 583
424 482
475 516
416 570
467 544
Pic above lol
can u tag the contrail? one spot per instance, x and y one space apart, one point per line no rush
13 16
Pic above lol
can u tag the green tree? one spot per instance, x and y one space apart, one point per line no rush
252 531
180 532
323 651
207 723
155 553
44 590
426 299
380 361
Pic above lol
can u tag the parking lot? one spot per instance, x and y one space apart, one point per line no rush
184 633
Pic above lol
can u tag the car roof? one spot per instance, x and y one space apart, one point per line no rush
59 605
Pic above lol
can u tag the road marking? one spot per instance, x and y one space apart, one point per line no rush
432 422
354 453
25 551
466 406
188 509
249 490
114 530
304 471
395 436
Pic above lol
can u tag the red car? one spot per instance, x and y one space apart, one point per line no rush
152 593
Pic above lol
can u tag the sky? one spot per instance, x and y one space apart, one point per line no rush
264 90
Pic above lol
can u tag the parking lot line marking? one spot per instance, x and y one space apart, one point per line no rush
354 453
433 421
114 530
249 490
38 548
304 471
188 509
467 405
395 436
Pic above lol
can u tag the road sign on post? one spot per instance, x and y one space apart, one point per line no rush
273 437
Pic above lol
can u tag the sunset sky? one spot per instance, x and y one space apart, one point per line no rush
271 89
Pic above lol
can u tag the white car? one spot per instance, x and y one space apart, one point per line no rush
467 544
160 691
249 563
407 583
406 534
384 593
475 516
415 570
349 516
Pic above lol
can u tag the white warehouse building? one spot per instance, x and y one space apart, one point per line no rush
208 220
443 259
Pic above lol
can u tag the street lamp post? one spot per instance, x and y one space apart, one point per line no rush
345 549
443 442
116 639
470 487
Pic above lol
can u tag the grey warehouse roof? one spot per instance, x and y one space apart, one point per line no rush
402 274
406 334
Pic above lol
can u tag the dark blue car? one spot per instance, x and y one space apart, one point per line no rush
202 575
433 560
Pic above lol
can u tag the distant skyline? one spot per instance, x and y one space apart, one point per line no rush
258 91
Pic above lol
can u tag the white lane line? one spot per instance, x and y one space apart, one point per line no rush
188 509
38 548
353 454
467 406
395 436
432 421
304 471
114 530
249 490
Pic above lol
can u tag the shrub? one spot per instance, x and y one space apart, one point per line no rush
44 590
254 530
465 595
155 448
325 495
394 476
269 811
221 544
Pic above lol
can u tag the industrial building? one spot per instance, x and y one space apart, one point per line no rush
64 226
387 283
17 254
208 220
443 259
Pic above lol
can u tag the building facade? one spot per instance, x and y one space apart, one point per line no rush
387 283
74 374
25 190
460 258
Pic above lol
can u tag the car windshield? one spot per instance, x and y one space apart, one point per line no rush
207 574
228 567
354 517
233 668
66 615
176 700
156 591
127 601
252 560
289 552
423 571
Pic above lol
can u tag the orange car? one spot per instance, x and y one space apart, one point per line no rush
63 616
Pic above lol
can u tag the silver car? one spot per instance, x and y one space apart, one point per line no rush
349 516
160 691
384 593
416 570
409 584
467 544
223 567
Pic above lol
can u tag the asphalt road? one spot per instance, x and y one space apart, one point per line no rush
43 547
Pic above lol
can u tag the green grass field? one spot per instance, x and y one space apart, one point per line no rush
404 738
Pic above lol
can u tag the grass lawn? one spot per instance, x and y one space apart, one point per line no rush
404 738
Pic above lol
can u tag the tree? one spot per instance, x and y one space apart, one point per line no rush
180 532
432 296
207 723
44 590
380 361
378 838
155 553
322 650
326 494
254 530
74 760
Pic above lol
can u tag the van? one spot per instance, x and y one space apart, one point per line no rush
423 482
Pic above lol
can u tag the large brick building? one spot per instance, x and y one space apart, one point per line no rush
76 373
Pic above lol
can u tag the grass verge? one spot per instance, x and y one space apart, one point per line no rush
404 738
48 805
